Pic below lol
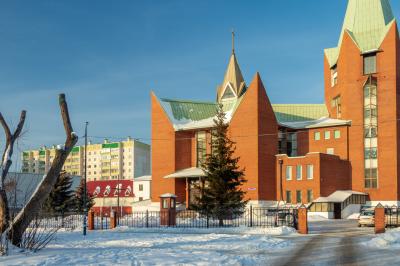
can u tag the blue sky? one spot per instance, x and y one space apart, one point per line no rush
108 55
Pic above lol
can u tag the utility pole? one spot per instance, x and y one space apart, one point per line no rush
85 210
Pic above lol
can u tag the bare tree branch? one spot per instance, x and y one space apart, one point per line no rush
32 208
6 163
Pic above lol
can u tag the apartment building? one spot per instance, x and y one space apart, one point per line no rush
106 161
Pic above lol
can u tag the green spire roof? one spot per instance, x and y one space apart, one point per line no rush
367 22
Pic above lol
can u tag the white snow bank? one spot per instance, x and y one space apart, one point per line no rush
275 231
353 216
122 246
315 217
390 239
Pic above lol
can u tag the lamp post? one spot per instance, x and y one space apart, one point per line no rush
85 210
280 182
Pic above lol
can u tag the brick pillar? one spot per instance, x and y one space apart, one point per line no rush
91 220
113 219
379 219
302 223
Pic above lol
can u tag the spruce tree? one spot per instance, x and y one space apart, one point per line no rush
79 198
61 197
221 196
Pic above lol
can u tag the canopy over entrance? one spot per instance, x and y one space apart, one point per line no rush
337 202
187 173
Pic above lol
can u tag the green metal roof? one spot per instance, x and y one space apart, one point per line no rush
299 112
179 110
367 22
189 110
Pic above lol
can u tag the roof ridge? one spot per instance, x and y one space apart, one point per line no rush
298 104
187 101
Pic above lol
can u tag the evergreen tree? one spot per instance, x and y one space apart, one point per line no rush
61 197
221 196
79 197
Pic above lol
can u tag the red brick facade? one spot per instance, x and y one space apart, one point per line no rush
336 155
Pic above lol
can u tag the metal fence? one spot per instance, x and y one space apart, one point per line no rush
69 221
251 217
392 216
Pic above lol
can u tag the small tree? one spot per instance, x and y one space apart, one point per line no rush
61 198
79 198
220 192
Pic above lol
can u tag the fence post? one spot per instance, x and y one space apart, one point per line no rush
113 219
251 216
302 222
379 219
207 221
91 220
147 218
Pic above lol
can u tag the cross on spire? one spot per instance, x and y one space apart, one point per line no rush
233 41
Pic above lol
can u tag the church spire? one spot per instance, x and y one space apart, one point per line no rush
367 22
233 85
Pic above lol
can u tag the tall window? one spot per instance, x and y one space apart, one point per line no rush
337 134
298 196
299 172
288 172
310 196
369 64
310 171
327 134
292 144
370 134
337 103
201 148
288 196
334 75
317 135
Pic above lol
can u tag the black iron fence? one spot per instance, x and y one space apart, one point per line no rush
69 221
251 217
392 216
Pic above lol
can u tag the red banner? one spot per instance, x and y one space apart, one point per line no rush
110 188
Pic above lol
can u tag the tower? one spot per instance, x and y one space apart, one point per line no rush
362 85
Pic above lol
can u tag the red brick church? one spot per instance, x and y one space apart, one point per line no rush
333 155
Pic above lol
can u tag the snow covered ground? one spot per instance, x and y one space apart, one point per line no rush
388 240
159 246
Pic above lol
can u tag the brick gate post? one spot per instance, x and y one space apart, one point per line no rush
379 219
113 219
302 220
91 220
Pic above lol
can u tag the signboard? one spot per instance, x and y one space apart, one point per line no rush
110 188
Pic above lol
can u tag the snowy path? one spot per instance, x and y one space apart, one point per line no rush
339 243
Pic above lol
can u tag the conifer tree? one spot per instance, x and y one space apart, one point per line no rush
221 195
79 196
61 197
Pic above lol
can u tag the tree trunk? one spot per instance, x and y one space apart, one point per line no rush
5 167
38 198
4 211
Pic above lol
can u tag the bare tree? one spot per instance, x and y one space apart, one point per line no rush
35 203
5 166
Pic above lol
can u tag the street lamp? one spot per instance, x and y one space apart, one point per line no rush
280 182
85 210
